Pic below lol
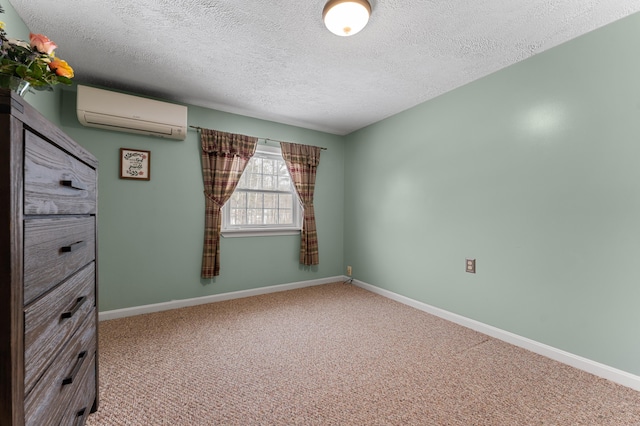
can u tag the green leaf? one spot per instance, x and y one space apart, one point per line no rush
64 80
22 71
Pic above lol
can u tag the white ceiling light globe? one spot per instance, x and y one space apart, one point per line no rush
346 17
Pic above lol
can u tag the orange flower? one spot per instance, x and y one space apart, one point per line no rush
61 68
42 43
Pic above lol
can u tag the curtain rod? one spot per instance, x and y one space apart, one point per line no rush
264 139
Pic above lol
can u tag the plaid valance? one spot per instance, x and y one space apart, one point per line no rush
227 144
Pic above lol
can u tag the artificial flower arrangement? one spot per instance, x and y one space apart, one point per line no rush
34 62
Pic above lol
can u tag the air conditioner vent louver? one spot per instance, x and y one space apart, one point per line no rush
126 113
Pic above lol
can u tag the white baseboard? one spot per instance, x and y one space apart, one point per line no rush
175 304
601 370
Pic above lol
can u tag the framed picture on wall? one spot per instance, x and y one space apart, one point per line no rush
135 164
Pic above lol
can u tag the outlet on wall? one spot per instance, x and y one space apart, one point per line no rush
471 266
349 271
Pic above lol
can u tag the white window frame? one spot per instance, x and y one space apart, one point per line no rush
229 230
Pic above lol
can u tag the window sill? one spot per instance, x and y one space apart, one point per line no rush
238 233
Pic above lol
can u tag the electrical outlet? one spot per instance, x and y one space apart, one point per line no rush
471 266
349 271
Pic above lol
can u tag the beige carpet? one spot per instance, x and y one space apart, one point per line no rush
335 355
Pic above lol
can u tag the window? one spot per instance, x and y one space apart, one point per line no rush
265 201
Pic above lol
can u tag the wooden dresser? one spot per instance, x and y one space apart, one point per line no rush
48 271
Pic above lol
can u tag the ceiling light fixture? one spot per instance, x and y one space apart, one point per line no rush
346 17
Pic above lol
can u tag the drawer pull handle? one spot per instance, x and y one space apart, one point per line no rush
81 357
73 247
74 184
75 308
81 415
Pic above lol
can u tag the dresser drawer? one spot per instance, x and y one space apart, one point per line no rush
82 402
51 320
54 249
48 401
55 182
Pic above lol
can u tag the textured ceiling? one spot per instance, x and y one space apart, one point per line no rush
275 60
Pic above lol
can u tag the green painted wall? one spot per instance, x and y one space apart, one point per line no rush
151 233
535 172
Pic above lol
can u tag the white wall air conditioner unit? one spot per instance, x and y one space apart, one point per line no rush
127 113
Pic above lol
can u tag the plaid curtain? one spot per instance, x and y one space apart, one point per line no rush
302 162
224 158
